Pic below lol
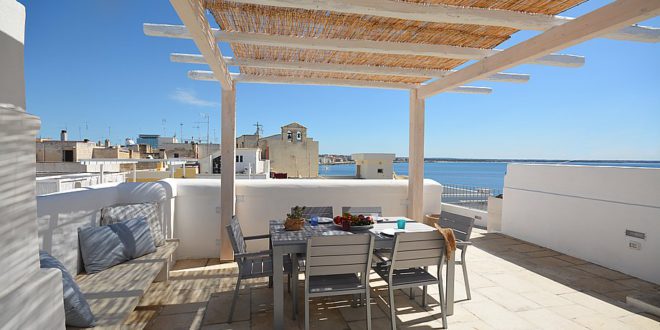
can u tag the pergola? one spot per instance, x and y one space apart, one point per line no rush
415 45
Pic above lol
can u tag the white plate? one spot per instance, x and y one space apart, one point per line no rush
392 231
356 228
322 220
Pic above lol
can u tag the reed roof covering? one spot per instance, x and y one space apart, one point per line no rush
233 17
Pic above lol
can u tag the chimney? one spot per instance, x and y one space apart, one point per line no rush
64 136
107 143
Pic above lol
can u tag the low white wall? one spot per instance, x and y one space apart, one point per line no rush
191 210
480 217
584 211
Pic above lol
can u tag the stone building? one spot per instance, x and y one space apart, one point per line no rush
291 152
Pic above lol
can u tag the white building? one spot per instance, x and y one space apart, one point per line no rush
373 165
248 164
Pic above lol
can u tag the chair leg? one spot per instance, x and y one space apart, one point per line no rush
306 312
367 301
465 278
233 302
424 296
443 303
293 281
392 309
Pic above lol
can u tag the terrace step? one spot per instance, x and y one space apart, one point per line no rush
649 303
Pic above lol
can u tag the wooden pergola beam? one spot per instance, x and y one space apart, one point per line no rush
272 79
598 22
192 15
440 13
344 68
363 46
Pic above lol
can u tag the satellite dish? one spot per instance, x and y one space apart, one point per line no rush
130 142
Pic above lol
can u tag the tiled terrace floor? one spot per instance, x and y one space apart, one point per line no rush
515 285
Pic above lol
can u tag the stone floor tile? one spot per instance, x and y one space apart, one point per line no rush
497 316
641 321
546 299
474 325
603 272
546 319
635 283
350 313
595 304
219 305
573 260
177 321
513 282
543 253
603 323
526 248
183 308
141 316
508 299
598 284
381 323
243 325
189 264
573 311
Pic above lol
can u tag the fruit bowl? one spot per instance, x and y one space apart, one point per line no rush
351 222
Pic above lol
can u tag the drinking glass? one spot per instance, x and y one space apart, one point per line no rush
314 221
401 223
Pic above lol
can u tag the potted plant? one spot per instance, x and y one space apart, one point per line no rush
295 220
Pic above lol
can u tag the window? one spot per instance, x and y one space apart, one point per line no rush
380 171
67 155
299 136
288 135
239 159
176 155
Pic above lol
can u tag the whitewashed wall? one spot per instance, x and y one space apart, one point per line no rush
584 211
30 298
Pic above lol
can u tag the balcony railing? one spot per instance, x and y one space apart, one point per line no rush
468 196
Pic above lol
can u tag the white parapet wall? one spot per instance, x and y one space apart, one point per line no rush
585 211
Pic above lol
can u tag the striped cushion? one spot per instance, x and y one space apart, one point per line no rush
148 211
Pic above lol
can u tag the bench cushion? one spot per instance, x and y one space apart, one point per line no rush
149 211
113 293
76 309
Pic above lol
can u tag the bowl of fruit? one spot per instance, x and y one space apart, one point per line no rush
352 222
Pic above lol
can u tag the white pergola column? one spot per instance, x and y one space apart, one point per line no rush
134 172
228 169
416 158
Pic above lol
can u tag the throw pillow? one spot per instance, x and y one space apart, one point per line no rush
149 211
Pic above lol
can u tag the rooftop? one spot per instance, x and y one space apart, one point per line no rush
515 285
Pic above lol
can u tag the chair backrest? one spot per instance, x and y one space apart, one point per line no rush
343 254
362 210
417 249
461 225
321 211
236 236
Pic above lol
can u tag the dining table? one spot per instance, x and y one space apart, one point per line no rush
284 242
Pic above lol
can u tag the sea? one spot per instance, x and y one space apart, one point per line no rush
475 174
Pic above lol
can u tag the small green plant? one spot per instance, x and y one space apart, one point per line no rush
296 213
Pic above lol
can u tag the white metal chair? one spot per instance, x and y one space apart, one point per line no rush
338 265
321 211
407 266
362 210
251 264
462 227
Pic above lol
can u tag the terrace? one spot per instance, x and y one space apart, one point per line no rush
515 285
564 258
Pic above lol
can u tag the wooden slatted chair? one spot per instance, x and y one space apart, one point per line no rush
321 211
462 227
338 265
362 210
251 264
407 266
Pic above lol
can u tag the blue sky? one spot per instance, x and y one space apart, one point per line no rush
89 68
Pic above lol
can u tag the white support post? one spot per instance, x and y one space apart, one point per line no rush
171 166
228 169
102 174
134 172
416 158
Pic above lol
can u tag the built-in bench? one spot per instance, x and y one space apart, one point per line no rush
115 292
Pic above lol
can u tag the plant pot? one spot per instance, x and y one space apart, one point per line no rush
294 224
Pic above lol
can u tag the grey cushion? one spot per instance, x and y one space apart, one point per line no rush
76 309
106 246
136 237
101 248
149 211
